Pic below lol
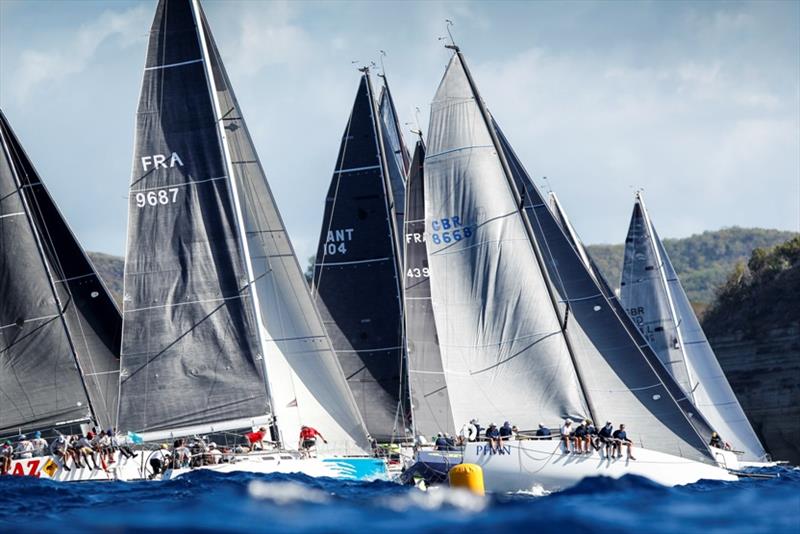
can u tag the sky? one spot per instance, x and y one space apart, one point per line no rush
696 103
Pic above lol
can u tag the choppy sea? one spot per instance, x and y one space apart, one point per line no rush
210 502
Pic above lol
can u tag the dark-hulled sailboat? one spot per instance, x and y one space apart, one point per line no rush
357 279
59 326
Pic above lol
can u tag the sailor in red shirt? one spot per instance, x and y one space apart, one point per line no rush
308 438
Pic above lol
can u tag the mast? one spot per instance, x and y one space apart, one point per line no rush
236 204
526 224
392 215
663 278
60 307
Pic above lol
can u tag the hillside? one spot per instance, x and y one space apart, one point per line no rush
754 327
703 261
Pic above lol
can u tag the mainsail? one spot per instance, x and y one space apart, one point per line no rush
430 403
59 326
191 350
356 276
394 146
653 296
525 331
306 382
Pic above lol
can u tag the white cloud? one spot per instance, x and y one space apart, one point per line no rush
38 67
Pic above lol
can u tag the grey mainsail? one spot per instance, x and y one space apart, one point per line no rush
502 350
430 402
517 280
93 321
306 382
397 157
356 276
653 296
191 350
40 382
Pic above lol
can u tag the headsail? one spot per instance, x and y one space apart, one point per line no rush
592 356
430 402
306 382
191 353
394 146
356 276
41 384
653 296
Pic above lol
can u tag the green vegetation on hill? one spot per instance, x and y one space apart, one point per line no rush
702 261
760 295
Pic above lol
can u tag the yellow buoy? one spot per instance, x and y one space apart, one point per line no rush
468 477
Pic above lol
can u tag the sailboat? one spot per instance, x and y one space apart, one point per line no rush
525 332
59 326
357 274
220 332
654 298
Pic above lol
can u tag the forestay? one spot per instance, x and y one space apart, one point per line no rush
191 353
430 402
306 382
648 280
624 383
91 316
40 383
356 278
502 350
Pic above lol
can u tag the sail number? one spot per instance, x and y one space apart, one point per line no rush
449 230
417 272
336 241
157 197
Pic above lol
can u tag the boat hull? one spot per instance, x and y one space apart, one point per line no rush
51 468
525 465
343 468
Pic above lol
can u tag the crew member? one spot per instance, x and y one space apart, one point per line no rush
621 438
566 433
158 460
308 438
606 437
543 432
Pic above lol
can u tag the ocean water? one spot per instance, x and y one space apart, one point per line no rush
210 502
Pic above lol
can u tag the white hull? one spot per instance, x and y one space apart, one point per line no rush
286 463
357 468
529 464
50 467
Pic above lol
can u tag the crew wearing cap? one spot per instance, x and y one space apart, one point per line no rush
543 432
606 437
39 444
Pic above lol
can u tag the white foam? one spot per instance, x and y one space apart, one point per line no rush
283 493
436 498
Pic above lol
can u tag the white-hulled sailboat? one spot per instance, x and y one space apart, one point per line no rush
525 333
653 296
220 333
